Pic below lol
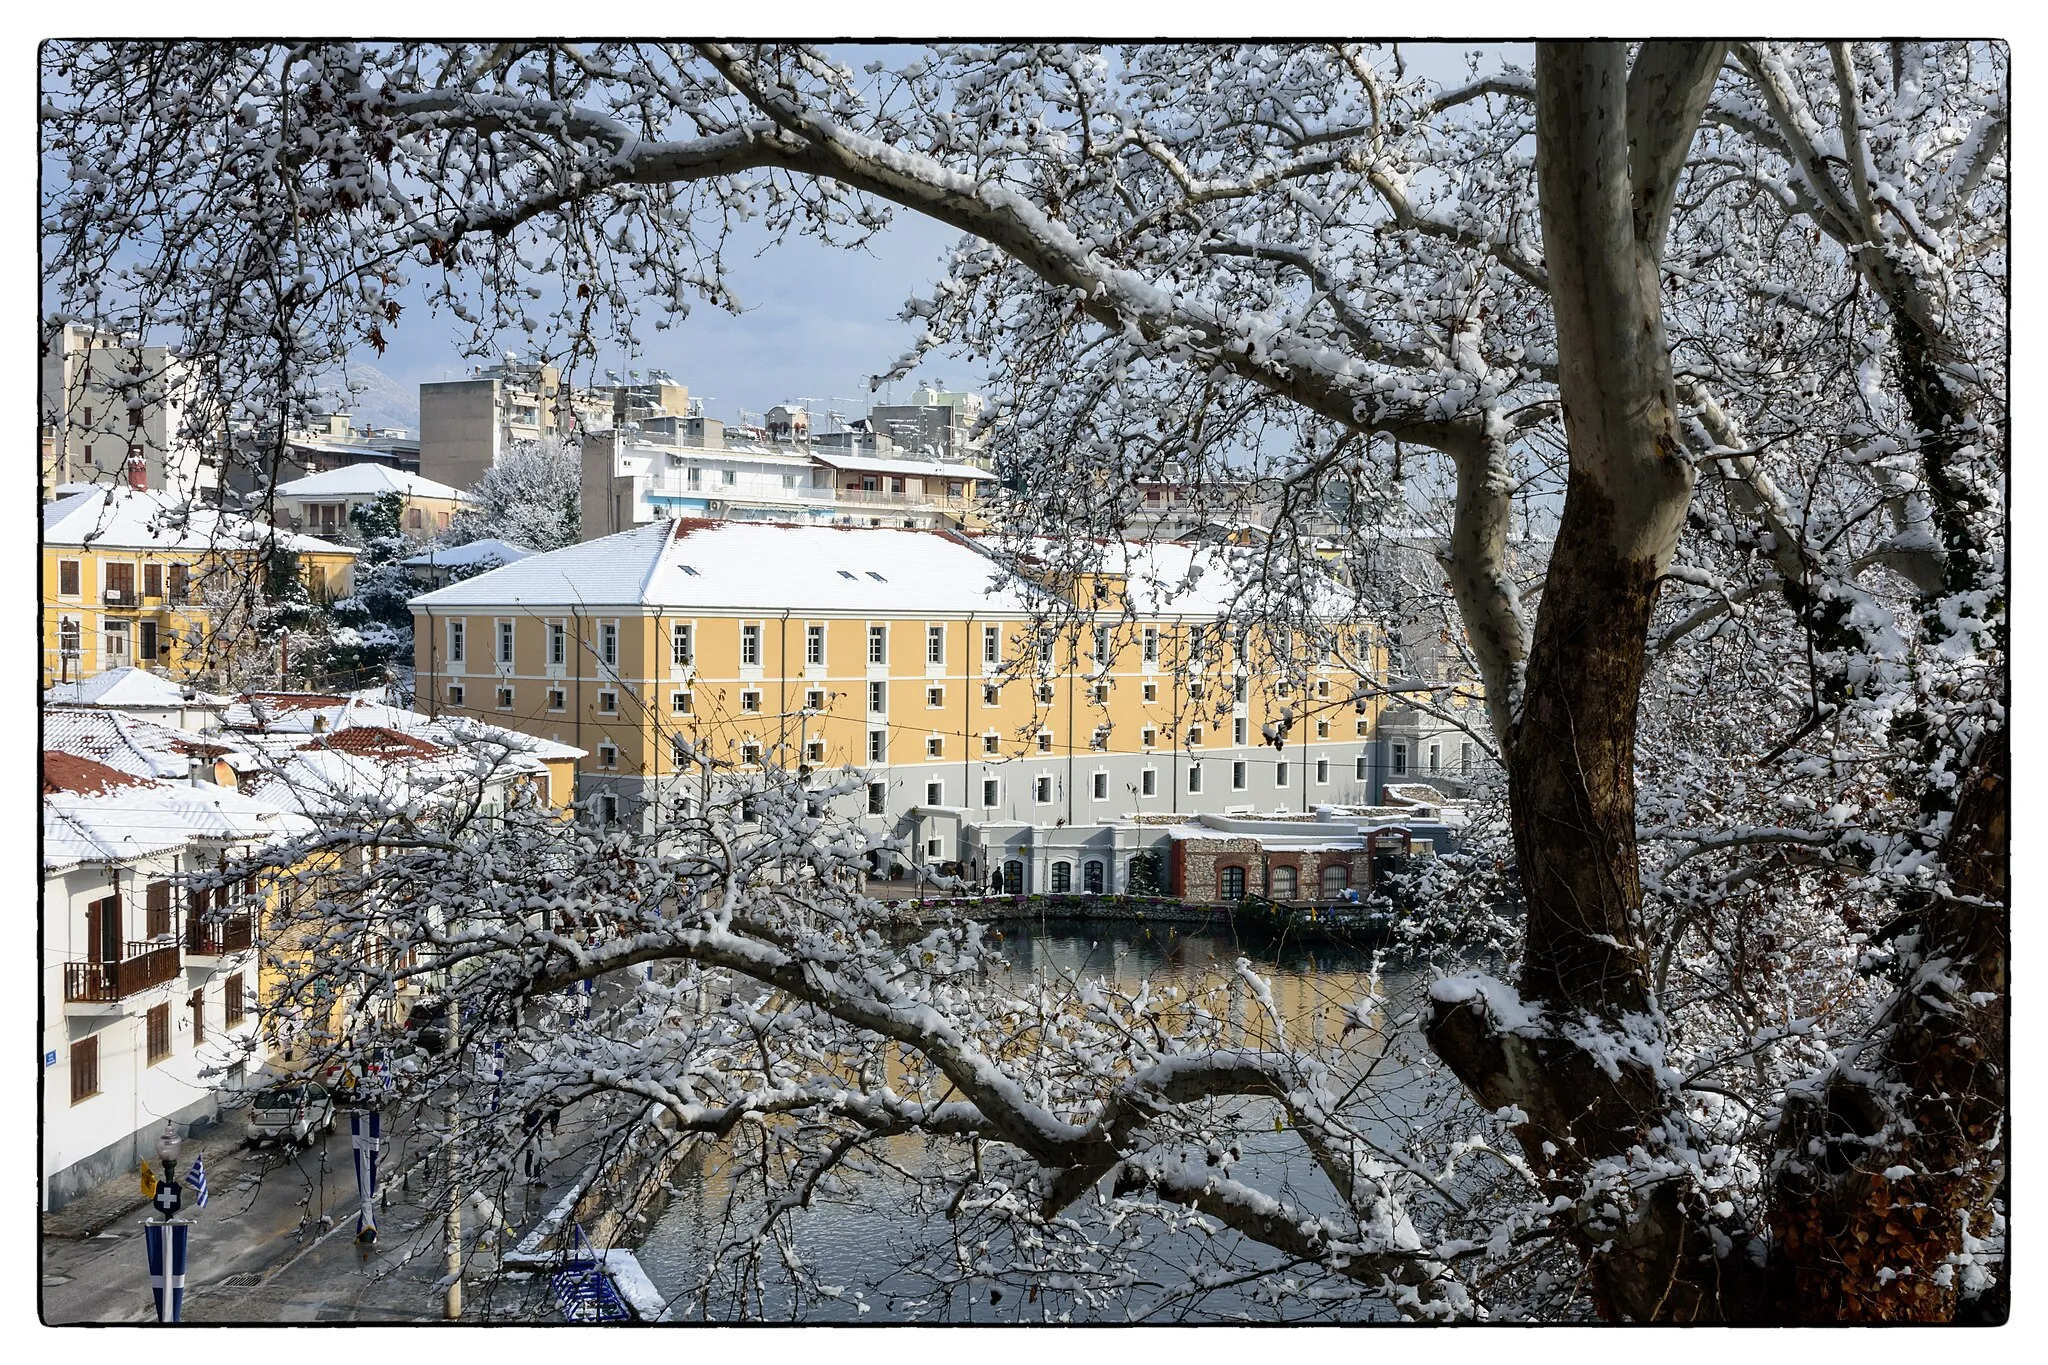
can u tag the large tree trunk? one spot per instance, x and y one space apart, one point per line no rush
1609 147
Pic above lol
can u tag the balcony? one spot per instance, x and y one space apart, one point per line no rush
875 497
121 597
105 983
218 938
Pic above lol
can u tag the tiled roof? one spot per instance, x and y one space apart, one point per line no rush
132 744
134 687
120 518
64 772
376 741
365 480
94 813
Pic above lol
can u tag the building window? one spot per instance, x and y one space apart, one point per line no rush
990 696
814 699
1045 648
988 792
935 644
608 645
750 699
233 1006
1361 767
1151 691
682 644
116 644
1239 728
1099 786
608 702
1091 877
1465 758
1041 791
1099 737
1194 777
682 703
815 751
1100 694
750 754
1436 754
1400 762
67 586
1284 882
934 794
1239 688
1151 645
1194 734
608 809
1322 729
1148 782
1358 727
814 644
991 645
934 747
1231 881
1237 776
679 752
990 743
455 694
157 1030
157 910
1045 694
70 639
1322 772
750 645
181 583
558 698
878 698
878 644
1280 774
504 699
1101 648
1045 741
878 746
152 580
558 644
935 696
457 644
607 756
878 797
1336 881
1062 876
1148 737
197 1004
504 642
85 1069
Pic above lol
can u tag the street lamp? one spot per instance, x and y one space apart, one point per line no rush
168 1144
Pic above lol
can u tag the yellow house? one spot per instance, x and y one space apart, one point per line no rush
913 657
319 504
128 576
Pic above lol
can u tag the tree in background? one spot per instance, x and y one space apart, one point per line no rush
532 497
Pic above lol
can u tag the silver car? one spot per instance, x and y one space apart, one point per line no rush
291 1112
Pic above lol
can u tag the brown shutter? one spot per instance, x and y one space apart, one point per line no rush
232 1006
158 904
85 1069
158 1027
198 1003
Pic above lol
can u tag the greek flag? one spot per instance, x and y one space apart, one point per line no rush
196 1180
167 1268
365 1134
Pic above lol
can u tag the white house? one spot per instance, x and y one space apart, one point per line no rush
148 982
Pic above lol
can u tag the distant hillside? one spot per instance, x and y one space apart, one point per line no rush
374 399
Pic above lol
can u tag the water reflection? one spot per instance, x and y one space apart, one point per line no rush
884 1239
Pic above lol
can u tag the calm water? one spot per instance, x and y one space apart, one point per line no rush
883 1240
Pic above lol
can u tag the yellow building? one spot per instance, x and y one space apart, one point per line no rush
913 657
128 576
319 504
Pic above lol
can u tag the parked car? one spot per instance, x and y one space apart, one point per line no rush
427 1024
290 1112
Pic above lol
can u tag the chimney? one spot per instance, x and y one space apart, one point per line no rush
319 724
192 770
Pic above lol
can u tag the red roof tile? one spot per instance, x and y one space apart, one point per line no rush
375 741
64 772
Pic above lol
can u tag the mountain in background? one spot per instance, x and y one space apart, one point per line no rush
373 398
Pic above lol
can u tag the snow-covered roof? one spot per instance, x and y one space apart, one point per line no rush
887 464
691 564
365 480
142 748
276 722
1177 578
134 688
117 518
96 813
464 556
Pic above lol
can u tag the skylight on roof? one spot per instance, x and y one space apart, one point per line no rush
687 569
877 577
844 573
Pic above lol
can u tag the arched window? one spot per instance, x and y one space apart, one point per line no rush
1336 880
1233 883
1013 877
1091 877
1283 879
1063 876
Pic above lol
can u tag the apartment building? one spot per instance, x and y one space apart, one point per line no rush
912 657
113 411
635 477
126 574
148 981
319 504
466 424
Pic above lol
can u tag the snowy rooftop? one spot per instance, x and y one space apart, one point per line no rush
463 556
96 813
887 464
1187 579
752 566
141 748
365 480
127 687
276 722
118 518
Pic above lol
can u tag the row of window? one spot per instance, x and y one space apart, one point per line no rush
156 1029
683 646
120 580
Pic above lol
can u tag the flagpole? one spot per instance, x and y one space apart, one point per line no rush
167 1241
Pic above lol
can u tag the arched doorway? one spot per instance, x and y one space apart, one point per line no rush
1062 876
1231 880
1091 877
1013 878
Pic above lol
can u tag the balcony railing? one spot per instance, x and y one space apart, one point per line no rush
876 497
215 938
146 965
121 597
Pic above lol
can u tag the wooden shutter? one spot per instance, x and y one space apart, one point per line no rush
85 1069
159 1032
158 904
198 1003
232 1009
